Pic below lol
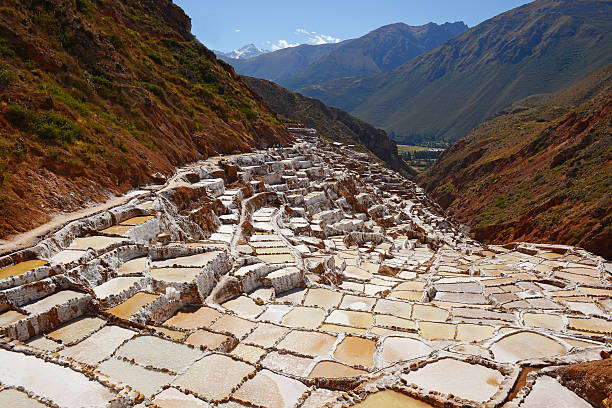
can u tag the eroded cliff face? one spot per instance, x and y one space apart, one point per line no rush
99 96
536 173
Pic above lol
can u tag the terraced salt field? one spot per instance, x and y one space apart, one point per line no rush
303 276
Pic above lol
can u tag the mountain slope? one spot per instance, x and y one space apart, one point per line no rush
536 173
97 97
332 123
381 50
278 66
541 47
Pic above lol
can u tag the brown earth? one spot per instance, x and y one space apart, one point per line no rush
591 380
96 97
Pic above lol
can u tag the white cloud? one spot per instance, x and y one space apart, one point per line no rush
307 37
280 44
237 30
312 37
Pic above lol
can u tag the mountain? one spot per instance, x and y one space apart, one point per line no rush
541 47
381 50
538 171
332 123
281 65
99 96
246 52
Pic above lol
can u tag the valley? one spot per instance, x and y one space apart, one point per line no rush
310 271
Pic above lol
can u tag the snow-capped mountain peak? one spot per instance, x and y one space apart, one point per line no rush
246 52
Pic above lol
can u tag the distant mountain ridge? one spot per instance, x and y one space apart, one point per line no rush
541 47
380 50
246 52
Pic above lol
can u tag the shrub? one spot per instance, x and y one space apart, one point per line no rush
6 49
155 57
155 89
85 7
51 126
103 81
48 125
19 116
6 77
65 97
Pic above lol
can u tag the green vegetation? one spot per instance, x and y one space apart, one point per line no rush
419 157
65 98
48 125
85 7
6 49
153 56
6 77
155 89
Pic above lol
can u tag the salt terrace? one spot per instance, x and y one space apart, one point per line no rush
300 276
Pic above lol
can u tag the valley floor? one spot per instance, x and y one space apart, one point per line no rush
298 276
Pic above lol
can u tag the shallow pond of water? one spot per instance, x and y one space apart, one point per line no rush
147 382
306 317
97 243
390 399
323 298
76 329
188 320
473 382
307 343
397 349
134 266
21 268
151 351
133 305
547 392
356 351
351 318
173 398
332 369
214 376
50 381
271 390
9 317
525 345
16 399
287 363
47 303
244 306
99 345
207 339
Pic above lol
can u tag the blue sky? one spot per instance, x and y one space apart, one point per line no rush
270 24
